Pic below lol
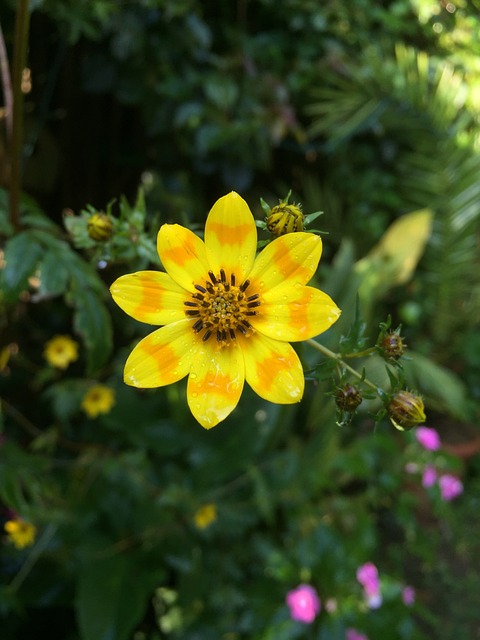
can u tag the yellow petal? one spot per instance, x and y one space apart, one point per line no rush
149 296
215 383
273 369
231 237
295 312
292 258
183 255
163 357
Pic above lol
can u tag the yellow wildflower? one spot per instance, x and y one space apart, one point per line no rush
21 533
98 399
229 316
60 351
205 516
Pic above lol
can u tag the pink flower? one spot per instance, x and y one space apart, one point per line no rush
353 634
367 575
429 476
450 487
304 603
428 438
408 596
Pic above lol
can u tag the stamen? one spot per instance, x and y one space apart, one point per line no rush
223 277
232 334
199 287
212 277
198 326
242 329
192 312
206 335
254 297
197 296
210 288
256 303
232 279
244 286
190 304
250 313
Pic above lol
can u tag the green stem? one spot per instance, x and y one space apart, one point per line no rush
22 23
360 354
337 357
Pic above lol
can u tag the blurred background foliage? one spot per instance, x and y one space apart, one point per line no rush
149 111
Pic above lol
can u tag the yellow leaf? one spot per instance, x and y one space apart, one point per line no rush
394 258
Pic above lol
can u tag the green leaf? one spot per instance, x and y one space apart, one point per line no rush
53 274
22 254
112 596
441 387
93 323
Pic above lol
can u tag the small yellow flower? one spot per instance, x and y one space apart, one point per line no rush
98 399
285 218
205 516
60 351
20 532
229 315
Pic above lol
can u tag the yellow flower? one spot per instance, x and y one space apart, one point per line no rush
205 516
98 399
60 351
228 315
20 532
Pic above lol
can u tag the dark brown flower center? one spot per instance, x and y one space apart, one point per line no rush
221 308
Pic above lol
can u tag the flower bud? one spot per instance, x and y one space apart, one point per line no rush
100 227
285 218
392 345
348 398
406 410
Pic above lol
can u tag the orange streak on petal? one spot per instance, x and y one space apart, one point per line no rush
231 236
215 383
290 258
273 369
183 255
149 296
294 313
163 357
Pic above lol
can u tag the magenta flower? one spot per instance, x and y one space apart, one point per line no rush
367 575
450 487
353 634
304 603
408 596
428 438
429 476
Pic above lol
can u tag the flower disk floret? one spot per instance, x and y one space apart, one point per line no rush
227 314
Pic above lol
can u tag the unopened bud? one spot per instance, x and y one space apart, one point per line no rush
406 410
392 345
348 398
285 218
100 227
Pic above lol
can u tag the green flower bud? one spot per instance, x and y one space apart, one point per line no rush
285 218
406 410
348 398
99 227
